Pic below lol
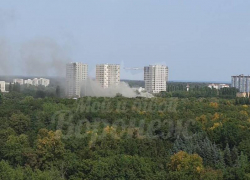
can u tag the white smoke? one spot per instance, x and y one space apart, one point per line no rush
92 88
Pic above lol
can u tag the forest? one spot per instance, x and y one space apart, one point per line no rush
167 137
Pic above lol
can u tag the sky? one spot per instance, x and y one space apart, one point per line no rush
197 40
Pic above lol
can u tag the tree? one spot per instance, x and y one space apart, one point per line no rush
10 87
184 162
49 148
40 94
58 91
14 149
19 122
234 156
227 156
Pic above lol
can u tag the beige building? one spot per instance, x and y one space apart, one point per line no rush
76 74
156 77
108 75
239 94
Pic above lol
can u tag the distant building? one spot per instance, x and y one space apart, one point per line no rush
187 87
240 94
218 86
108 75
19 81
156 77
241 82
28 81
43 82
37 82
76 73
2 86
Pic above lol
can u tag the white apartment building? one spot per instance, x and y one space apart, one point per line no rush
19 81
108 75
76 73
43 82
28 81
155 77
218 86
2 86
37 82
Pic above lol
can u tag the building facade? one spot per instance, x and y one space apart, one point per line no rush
2 86
155 77
218 86
43 82
108 75
28 81
241 82
76 74
19 81
37 82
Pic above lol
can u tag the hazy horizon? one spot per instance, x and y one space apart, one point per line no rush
198 41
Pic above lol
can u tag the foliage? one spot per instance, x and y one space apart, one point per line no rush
123 138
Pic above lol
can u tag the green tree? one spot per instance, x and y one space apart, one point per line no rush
227 156
58 91
19 122
15 148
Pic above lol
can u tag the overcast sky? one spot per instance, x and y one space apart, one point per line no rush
198 40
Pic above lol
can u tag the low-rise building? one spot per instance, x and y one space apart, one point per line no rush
36 82
28 81
2 86
218 86
19 81
43 82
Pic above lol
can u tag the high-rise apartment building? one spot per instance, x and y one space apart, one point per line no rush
108 75
241 82
155 77
76 73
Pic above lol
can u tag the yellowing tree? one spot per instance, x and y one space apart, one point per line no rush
49 147
184 162
214 105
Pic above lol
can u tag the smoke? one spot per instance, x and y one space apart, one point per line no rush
92 88
6 17
43 57
5 64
